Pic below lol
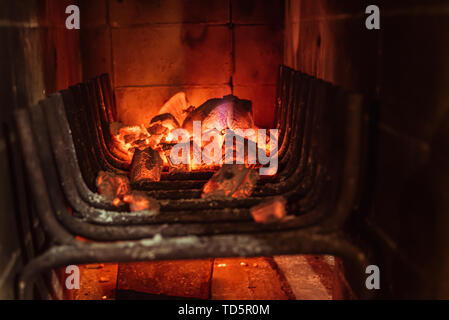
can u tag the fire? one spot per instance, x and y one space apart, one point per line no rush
218 119
128 138
218 135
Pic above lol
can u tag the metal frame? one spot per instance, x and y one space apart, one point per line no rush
65 140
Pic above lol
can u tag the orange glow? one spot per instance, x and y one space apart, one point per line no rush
116 202
159 133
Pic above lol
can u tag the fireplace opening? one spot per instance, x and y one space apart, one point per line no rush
182 152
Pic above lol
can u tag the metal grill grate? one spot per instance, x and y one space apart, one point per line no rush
66 141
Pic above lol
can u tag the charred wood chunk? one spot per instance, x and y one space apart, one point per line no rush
157 129
188 110
236 181
139 201
228 112
247 186
160 128
141 143
167 120
128 138
112 186
146 166
270 210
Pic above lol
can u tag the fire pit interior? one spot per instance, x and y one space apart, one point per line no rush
222 149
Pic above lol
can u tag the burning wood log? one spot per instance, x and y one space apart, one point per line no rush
236 181
139 201
146 166
270 210
113 186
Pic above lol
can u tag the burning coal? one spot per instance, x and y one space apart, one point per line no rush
113 187
116 189
219 134
270 210
189 138
236 181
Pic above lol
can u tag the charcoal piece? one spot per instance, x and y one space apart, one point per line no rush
139 143
166 146
128 138
247 186
112 186
236 181
146 166
270 210
157 129
139 201
167 120
228 112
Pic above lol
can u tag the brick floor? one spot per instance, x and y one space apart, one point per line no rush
301 277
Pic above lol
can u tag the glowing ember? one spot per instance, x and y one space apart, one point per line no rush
130 138
146 166
113 186
270 210
234 181
220 114
116 189
204 144
139 201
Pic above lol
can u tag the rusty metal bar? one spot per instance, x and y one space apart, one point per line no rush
323 185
